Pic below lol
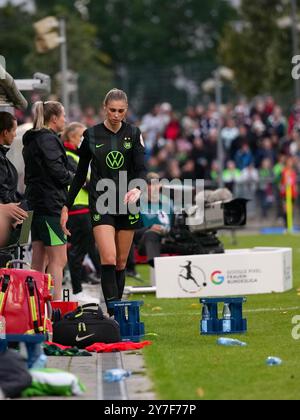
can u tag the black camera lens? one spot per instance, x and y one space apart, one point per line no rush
235 212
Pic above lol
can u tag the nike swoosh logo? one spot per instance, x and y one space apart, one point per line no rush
134 223
79 339
99 145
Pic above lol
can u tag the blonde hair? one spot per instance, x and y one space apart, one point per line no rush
70 129
115 95
44 111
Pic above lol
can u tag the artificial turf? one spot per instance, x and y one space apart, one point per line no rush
184 365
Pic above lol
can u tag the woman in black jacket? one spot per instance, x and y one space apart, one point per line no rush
8 173
10 212
47 179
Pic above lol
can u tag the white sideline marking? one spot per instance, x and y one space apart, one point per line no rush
294 308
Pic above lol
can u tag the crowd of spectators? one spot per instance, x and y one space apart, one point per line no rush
261 149
260 142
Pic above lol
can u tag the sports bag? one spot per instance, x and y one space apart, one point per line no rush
24 300
14 375
86 326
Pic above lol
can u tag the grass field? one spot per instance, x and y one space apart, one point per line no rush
186 366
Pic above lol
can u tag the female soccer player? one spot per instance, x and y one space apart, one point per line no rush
47 179
113 148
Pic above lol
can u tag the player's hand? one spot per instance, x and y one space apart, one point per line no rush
132 196
157 229
64 220
15 212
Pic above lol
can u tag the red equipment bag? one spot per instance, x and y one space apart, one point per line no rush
25 300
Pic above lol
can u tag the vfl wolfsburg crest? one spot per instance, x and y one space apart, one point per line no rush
127 143
115 160
97 217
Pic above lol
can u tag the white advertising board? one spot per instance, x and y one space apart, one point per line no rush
237 272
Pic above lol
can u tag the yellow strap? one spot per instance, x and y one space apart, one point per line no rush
33 309
2 296
32 332
80 314
49 282
45 324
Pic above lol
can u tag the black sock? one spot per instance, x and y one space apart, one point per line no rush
109 285
121 278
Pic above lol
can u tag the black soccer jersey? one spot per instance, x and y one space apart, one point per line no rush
109 154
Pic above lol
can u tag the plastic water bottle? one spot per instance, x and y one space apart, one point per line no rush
273 361
226 318
40 362
230 342
116 375
205 318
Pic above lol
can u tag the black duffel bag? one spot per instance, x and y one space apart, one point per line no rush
86 326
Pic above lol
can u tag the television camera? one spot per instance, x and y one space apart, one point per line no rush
195 230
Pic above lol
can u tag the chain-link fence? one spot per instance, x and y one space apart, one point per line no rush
148 85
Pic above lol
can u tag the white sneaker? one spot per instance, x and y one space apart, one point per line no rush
84 298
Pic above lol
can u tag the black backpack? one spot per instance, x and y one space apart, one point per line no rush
14 375
86 326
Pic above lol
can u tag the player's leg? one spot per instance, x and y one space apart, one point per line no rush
124 240
105 237
38 256
57 257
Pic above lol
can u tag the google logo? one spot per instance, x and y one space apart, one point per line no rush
217 278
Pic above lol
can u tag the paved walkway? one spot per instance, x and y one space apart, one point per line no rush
90 370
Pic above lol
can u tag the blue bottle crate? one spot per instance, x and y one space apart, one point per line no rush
127 314
215 325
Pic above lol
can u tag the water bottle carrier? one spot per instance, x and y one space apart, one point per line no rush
214 325
127 314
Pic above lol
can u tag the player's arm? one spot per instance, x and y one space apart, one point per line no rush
78 181
139 167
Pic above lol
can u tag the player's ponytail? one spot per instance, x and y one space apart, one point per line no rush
43 111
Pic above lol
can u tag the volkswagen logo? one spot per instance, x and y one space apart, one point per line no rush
115 160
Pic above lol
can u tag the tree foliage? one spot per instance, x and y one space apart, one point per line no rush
120 37
16 34
257 49
138 38
83 58
156 31
18 47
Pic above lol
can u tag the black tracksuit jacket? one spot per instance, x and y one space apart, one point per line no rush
8 179
46 172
